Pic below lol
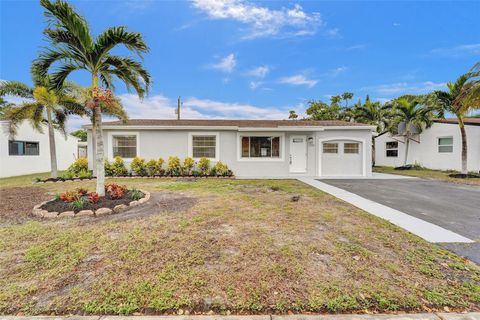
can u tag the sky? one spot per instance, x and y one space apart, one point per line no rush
259 59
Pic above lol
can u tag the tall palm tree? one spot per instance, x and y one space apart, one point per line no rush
413 117
373 113
462 96
74 48
43 105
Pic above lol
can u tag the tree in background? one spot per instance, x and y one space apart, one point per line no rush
319 110
412 116
462 97
80 134
42 105
74 48
292 115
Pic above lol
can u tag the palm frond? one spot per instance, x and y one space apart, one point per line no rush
31 111
64 16
114 36
15 88
59 76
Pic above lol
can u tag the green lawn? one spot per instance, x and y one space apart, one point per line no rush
227 246
427 174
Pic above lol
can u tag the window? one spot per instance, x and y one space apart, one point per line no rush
330 148
204 146
392 149
125 146
445 144
23 148
260 147
350 147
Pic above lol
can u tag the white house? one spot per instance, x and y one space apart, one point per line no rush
28 152
438 147
251 148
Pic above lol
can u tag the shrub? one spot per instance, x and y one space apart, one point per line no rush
85 174
68 175
118 167
81 164
138 166
93 197
68 196
137 194
204 166
115 191
188 164
79 203
81 191
108 168
174 166
152 167
160 163
220 169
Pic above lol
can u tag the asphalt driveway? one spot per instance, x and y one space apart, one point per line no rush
452 206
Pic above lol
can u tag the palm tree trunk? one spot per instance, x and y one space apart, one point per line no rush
407 144
373 152
464 145
94 146
52 147
97 123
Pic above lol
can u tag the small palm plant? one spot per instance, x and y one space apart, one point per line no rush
413 116
42 105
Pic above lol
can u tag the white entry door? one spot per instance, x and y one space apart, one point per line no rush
298 154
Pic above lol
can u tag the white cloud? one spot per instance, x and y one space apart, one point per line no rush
337 71
333 33
356 47
234 110
226 64
255 84
400 88
259 72
262 21
299 80
466 49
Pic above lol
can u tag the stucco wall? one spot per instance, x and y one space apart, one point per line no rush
20 165
426 152
153 144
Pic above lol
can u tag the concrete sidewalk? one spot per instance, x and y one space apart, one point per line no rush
412 316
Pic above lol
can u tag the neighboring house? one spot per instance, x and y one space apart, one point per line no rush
251 148
82 149
28 152
438 147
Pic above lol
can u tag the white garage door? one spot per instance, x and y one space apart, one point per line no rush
341 158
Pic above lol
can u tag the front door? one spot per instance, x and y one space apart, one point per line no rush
298 154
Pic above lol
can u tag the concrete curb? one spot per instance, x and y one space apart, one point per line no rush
405 316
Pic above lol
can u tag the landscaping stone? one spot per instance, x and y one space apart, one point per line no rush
103 211
66 214
120 208
47 214
85 213
133 203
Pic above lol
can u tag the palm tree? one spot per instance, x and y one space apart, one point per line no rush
413 116
74 48
373 113
42 102
462 96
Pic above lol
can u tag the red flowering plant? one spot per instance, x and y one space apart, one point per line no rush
115 191
82 191
68 196
93 197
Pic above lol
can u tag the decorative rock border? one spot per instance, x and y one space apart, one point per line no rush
50 180
99 212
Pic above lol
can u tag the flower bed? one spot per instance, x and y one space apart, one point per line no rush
83 203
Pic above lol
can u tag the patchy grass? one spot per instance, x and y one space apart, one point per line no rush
428 174
243 247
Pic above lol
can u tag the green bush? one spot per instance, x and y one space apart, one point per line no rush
138 166
152 167
174 167
204 166
118 167
81 164
108 168
68 175
220 169
85 174
160 163
188 164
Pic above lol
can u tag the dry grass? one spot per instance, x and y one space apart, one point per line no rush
243 247
428 174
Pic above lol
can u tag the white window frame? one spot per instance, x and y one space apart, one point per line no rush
387 149
444 145
204 133
281 135
112 134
